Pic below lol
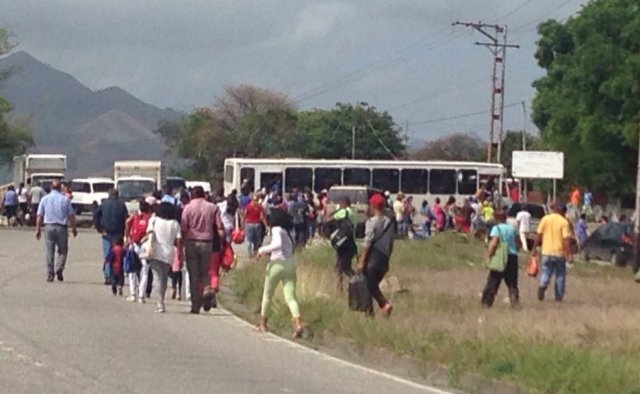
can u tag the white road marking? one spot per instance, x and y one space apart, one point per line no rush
270 337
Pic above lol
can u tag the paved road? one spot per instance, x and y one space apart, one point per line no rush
75 337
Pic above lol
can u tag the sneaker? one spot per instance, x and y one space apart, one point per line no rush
131 298
142 300
541 291
161 308
50 278
60 276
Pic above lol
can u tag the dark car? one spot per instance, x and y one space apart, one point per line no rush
610 242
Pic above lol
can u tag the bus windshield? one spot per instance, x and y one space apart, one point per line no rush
133 189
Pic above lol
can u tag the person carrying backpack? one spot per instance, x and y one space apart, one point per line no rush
343 241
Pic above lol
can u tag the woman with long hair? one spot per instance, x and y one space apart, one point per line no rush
281 268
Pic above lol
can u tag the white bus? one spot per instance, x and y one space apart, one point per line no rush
420 179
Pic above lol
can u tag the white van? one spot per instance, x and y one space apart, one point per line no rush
87 191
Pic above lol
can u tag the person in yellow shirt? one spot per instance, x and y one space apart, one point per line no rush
554 234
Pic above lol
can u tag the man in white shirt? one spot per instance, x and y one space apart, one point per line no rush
524 222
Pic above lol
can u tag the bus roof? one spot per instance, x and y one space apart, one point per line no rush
376 163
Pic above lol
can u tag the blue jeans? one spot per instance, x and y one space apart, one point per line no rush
254 236
554 265
106 247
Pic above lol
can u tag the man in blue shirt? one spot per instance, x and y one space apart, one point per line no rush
10 204
56 213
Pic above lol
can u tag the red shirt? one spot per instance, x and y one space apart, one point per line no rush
199 219
253 213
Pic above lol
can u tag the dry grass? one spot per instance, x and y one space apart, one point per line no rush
588 344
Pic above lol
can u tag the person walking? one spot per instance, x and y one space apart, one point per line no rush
281 268
427 218
115 260
379 235
110 220
55 213
36 193
345 220
201 228
298 210
440 216
135 231
165 230
10 205
254 217
524 223
507 270
23 203
398 211
554 234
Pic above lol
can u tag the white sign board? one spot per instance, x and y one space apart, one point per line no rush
537 164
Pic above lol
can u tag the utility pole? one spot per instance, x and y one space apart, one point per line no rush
497 35
353 142
525 190
636 227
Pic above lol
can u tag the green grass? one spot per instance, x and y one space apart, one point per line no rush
436 323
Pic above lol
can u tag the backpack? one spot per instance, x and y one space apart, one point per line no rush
139 227
343 233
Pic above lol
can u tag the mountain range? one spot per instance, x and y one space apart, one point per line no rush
93 128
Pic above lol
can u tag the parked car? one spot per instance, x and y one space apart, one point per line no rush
88 192
610 242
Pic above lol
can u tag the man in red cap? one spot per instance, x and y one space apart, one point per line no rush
376 251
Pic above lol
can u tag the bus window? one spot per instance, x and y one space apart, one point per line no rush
386 180
228 174
357 176
467 182
298 178
442 182
327 177
248 174
270 180
415 181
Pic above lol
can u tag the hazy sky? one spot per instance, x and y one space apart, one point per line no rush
399 55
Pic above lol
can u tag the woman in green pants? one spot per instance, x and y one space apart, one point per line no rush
281 268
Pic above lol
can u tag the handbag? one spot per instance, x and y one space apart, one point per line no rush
146 245
237 235
533 266
498 261
359 297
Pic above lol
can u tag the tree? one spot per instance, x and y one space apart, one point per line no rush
458 146
328 134
587 103
244 122
14 138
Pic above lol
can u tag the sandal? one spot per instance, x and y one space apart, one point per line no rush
260 328
386 310
298 332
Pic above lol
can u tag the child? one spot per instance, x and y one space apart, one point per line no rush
115 259
581 230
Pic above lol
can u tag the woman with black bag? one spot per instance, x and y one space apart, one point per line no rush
376 252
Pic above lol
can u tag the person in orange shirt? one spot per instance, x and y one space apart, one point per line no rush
575 197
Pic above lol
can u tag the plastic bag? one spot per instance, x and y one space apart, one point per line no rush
533 266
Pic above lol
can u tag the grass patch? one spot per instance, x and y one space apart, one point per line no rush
589 344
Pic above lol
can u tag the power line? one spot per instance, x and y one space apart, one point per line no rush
388 61
516 10
460 116
439 94
540 18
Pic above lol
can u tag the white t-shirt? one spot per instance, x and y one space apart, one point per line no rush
398 209
524 221
228 220
165 232
23 195
281 246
